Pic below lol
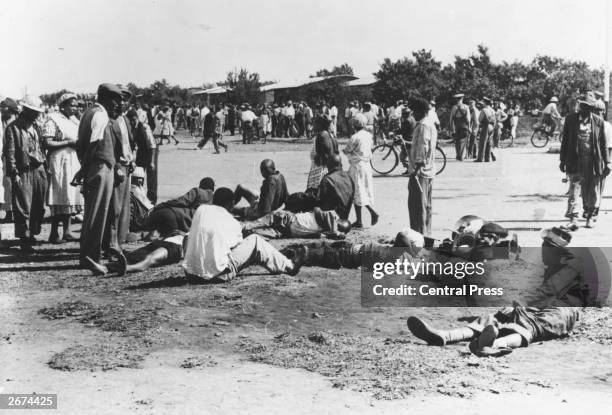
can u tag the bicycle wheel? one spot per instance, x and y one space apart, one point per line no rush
539 138
384 159
440 160
506 140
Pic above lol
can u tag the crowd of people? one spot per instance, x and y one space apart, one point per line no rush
98 164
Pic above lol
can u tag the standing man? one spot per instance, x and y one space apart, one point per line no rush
98 151
9 112
333 115
486 121
421 168
460 119
25 165
474 115
584 157
147 152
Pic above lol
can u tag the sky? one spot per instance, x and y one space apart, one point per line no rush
77 44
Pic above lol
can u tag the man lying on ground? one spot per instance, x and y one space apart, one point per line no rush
517 326
166 251
285 224
175 215
216 252
272 195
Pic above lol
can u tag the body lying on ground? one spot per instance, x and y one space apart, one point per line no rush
285 224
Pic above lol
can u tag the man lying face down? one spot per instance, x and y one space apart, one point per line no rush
272 195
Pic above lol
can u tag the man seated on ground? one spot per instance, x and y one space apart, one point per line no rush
517 326
216 252
140 205
272 195
175 215
285 224
166 251
337 189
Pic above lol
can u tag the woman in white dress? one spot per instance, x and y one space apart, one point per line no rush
359 152
60 134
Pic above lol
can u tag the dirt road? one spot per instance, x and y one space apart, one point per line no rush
150 343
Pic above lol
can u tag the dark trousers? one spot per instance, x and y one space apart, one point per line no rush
461 138
484 143
217 140
119 225
247 132
28 200
419 204
98 192
151 171
471 147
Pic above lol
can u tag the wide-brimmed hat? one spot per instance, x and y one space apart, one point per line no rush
33 103
457 96
138 173
109 90
487 100
554 99
599 94
556 236
588 99
65 97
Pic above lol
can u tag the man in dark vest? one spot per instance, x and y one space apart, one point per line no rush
98 151
460 125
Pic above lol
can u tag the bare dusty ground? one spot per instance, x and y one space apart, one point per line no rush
150 343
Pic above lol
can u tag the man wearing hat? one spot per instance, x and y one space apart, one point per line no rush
25 166
474 115
98 148
9 111
486 122
460 119
584 157
550 115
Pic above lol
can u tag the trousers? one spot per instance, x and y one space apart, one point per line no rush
98 192
28 199
419 204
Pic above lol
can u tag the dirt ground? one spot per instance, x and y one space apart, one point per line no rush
150 343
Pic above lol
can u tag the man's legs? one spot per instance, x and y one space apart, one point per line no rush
39 192
435 337
152 176
460 138
482 143
98 190
419 204
575 185
254 250
22 202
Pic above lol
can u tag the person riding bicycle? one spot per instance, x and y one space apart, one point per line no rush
550 115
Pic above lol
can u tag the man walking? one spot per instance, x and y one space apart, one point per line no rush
97 148
421 168
584 157
460 119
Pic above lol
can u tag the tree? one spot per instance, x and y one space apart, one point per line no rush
418 76
244 84
344 69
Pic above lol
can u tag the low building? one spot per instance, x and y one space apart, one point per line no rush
304 89
212 96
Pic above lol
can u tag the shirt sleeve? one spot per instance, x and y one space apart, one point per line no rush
421 143
98 123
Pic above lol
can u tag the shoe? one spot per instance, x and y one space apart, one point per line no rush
121 265
571 226
357 225
590 223
299 257
94 267
477 161
423 331
488 336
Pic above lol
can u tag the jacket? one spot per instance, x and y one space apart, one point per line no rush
569 144
23 151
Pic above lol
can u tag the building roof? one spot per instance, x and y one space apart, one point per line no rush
212 91
296 83
370 80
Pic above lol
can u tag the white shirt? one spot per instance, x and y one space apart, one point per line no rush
248 115
98 123
333 111
423 148
433 115
214 232
289 111
204 112
125 139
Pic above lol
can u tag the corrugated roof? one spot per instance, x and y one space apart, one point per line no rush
302 82
212 91
362 81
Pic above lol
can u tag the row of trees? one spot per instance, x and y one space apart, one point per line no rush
528 84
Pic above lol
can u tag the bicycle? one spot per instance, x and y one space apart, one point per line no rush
385 157
542 135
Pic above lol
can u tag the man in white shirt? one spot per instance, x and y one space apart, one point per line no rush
247 117
289 116
433 114
550 115
333 114
216 251
421 167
